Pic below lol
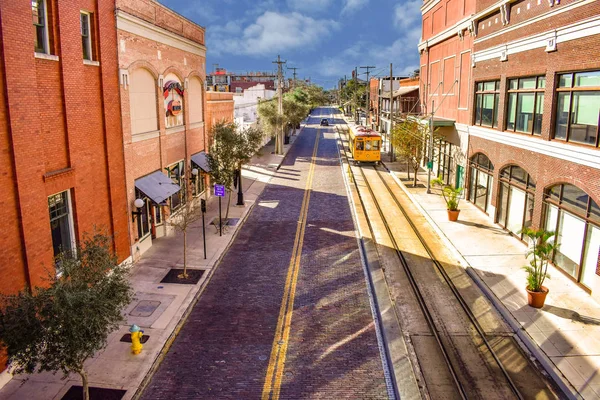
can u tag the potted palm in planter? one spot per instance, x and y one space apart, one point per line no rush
540 254
451 197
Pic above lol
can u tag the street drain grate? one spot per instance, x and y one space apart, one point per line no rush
194 276
145 308
262 358
127 338
76 393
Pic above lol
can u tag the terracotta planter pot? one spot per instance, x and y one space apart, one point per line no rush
453 215
537 299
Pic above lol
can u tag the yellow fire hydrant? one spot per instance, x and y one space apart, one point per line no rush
136 337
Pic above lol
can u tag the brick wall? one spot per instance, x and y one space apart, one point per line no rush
163 17
159 57
446 72
444 15
59 130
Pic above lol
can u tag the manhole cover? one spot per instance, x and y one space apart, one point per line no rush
145 308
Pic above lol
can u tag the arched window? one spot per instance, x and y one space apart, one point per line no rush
142 102
575 218
195 99
481 181
515 199
173 100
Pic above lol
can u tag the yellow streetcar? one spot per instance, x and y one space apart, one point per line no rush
365 145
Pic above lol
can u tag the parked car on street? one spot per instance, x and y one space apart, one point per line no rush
324 122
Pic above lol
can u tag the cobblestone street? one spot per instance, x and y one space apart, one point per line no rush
230 345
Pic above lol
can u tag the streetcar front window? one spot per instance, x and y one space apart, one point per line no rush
360 145
368 145
375 144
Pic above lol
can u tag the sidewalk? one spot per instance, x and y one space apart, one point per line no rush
565 335
158 307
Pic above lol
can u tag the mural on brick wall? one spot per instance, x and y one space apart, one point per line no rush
173 95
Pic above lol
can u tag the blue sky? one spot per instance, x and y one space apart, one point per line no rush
325 39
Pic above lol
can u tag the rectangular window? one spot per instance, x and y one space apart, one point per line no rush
578 108
177 174
40 25
487 98
525 105
86 36
59 208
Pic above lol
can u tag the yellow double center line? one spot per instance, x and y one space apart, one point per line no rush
272 384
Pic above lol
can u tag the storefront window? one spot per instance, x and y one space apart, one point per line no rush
143 220
481 181
578 107
573 215
525 105
516 199
487 98
177 174
445 166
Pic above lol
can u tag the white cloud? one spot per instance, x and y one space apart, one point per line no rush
407 14
309 5
271 33
353 5
402 53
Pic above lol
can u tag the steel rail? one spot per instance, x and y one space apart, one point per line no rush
412 281
417 292
452 287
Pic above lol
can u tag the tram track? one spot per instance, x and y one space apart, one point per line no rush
476 337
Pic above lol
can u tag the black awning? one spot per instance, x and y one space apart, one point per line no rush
201 160
157 186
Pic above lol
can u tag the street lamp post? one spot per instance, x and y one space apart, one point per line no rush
240 200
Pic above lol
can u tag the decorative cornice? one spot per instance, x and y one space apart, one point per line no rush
137 26
563 151
547 40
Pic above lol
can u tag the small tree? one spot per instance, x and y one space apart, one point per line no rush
272 120
60 326
189 213
409 139
230 150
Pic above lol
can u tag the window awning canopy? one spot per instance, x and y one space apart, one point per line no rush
157 186
438 122
201 161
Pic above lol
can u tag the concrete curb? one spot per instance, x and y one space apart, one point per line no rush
521 333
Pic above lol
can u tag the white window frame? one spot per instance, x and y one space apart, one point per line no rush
46 34
88 16
69 219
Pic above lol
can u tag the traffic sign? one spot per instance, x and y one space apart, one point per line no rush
220 190
429 164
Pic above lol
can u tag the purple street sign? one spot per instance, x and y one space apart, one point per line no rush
220 190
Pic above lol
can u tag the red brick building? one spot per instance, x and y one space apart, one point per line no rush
533 151
162 58
219 108
522 116
60 134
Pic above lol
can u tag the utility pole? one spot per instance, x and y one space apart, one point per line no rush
368 113
391 114
294 81
430 150
279 137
